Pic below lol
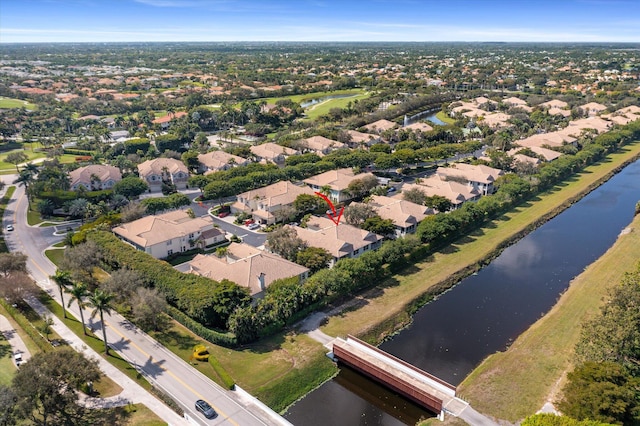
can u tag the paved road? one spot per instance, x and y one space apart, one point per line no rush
14 340
162 367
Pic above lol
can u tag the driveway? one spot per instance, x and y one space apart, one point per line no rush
253 238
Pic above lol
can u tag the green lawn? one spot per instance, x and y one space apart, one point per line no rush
141 415
323 108
7 367
7 103
444 117
55 255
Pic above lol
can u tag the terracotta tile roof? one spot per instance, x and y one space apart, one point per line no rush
380 126
358 137
167 118
320 143
244 265
593 107
338 179
402 213
155 229
548 154
496 119
156 165
576 127
102 171
455 192
216 160
552 139
340 240
472 173
423 127
270 150
555 103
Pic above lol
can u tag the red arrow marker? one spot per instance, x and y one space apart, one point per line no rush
332 216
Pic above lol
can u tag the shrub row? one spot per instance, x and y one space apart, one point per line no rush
213 336
59 197
206 301
228 382
162 396
28 328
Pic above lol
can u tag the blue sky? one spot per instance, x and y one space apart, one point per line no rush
319 20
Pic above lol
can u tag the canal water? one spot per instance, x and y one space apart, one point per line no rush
485 312
429 115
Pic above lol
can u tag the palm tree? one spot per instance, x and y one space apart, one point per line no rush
101 302
63 280
78 293
25 179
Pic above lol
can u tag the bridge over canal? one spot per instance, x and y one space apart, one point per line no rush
413 383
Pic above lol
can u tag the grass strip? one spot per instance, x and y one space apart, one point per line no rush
534 365
386 308
92 340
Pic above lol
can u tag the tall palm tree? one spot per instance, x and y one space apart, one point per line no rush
63 280
79 293
25 178
100 301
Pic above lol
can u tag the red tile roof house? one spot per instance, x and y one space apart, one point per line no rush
264 203
94 177
337 180
173 232
479 177
271 152
154 171
219 160
405 215
248 267
321 145
165 121
380 126
359 139
341 241
457 193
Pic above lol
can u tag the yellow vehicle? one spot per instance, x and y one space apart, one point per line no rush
200 353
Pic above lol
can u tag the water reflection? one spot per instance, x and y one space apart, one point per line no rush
486 312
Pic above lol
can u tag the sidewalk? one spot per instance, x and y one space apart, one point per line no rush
131 393
17 345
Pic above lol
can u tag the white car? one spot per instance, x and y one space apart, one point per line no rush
9 227
253 226
17 357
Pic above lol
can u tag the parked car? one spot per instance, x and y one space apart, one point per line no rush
206 409
253 226
223 214
391 189
17 357
249 222
9 227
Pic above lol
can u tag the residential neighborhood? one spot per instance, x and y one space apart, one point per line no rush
232 210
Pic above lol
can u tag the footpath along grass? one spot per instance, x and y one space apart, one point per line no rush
534 365
92 341
385 308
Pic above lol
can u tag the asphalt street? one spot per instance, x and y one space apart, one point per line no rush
162 368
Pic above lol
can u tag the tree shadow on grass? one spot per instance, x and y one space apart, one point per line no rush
5 348
174 338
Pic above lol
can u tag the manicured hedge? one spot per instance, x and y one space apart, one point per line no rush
204 300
